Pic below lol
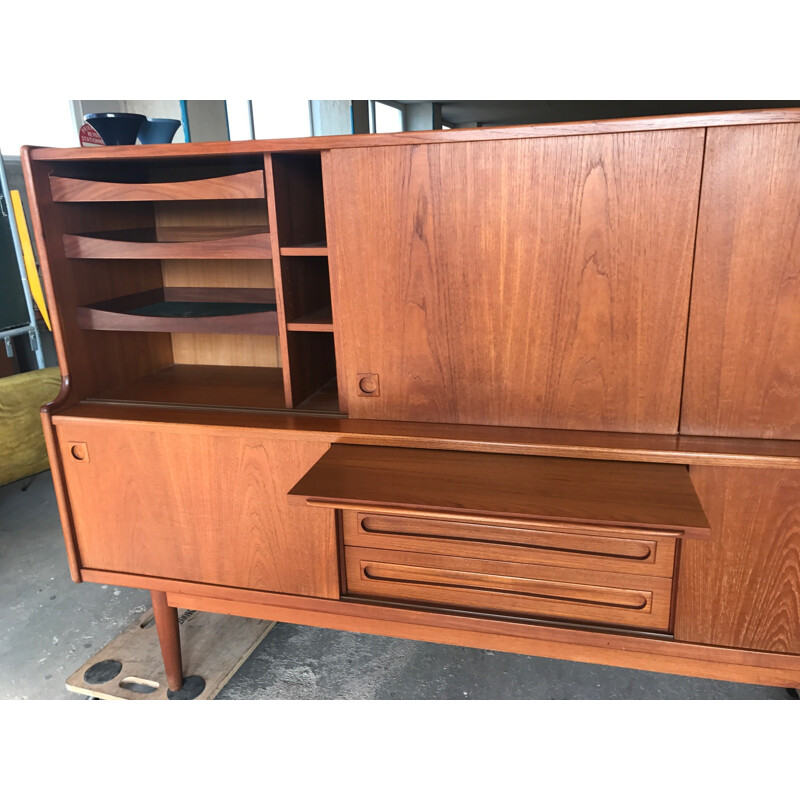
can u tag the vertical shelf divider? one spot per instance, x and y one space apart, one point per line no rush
277 274
333 277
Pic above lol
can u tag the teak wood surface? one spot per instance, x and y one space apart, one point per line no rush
529 590
535 329
539 283
598 446
183 243
657 496
743 356
583 547
207 509
246 185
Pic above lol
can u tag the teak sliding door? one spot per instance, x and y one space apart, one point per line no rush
540 282
743 354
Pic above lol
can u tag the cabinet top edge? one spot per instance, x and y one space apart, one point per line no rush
317 143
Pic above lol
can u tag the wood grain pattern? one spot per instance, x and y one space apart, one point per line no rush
637 448
568 490
203 509
205 385
742 588
533 591
228 187
479 313
578 642
222 350
120 313
169 638
592 127
91 360
225 350
183 243
320 320
622 551
294 192
743 356
528 638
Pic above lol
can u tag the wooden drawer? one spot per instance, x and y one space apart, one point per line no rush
245 185
635 552
499 586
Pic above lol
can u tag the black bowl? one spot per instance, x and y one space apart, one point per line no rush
116 128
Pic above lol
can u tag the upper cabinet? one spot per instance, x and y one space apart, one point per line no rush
743 354
534 282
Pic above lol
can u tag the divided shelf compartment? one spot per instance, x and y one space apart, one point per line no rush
177 260
302 277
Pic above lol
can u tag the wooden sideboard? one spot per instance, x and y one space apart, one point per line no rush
533 389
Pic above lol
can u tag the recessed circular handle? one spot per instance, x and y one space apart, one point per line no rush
368 384
78 452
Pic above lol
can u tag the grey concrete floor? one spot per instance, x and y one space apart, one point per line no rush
50 626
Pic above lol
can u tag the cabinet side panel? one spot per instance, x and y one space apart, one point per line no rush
538 283
741 588
743 350
198 507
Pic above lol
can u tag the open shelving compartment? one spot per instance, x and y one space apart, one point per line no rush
302 277
177 256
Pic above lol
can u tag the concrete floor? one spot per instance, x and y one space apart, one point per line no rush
50 626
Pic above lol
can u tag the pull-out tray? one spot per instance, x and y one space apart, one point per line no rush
659 498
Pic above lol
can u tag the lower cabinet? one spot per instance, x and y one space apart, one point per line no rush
190 504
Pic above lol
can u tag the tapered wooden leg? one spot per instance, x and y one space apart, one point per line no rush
169 638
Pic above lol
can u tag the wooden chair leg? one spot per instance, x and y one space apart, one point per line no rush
169 638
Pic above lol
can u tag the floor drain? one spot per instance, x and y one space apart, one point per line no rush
102 671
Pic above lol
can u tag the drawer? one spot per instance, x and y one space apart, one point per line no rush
482 585
612 549
242 186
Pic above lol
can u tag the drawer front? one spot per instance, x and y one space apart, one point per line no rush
582 547
496 586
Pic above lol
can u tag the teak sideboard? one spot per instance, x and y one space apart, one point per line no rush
532 389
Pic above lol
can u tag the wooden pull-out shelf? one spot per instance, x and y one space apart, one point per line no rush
186 310
249 242
487 487
244 186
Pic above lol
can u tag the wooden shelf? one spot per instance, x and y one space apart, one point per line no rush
185 310
658 497
325 399
312 249
320 320
245 185
205 385
250 242
209 386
